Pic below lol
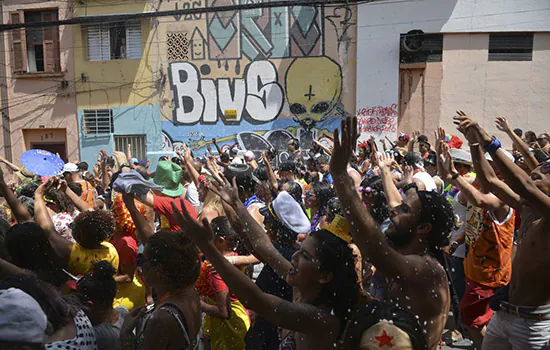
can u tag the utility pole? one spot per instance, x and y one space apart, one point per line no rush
6 128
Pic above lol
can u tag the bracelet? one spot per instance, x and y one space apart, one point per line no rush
455 176
493 145
409 186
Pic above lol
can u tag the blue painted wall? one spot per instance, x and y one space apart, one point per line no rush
129 120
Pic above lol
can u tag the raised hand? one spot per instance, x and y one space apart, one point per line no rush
228 192
415 135
199 232
344 148
45 186
408 174
464 122
120 157
62 185
385 160
445 164
502 124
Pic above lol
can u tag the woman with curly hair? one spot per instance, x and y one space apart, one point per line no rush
90 229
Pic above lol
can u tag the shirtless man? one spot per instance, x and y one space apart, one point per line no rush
419 225
523 321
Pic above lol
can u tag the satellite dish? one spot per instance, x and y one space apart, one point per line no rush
413 40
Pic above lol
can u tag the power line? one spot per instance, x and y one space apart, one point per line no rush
179 12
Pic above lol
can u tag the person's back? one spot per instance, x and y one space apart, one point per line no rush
107 335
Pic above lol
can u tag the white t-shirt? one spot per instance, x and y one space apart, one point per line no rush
192 194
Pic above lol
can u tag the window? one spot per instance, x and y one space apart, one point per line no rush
98 121
114 41
177 45
35 49
511 47
138 145
417 47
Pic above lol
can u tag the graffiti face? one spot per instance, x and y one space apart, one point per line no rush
313 87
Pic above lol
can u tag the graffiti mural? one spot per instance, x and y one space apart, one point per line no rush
278 68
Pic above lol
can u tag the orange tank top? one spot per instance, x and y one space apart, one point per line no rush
489 258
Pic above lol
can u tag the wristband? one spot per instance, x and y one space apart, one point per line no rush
454 245
125 165
409 186
493 145
455 176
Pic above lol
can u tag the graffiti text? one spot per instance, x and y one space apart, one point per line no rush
257 96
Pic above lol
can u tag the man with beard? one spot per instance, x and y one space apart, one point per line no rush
418 230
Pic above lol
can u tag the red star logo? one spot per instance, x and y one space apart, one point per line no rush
384 339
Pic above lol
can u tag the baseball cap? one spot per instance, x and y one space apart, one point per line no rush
21 318
70 168
287 211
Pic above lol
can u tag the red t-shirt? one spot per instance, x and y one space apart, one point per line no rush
127 248
163 206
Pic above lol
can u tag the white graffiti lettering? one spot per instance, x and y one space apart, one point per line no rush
257 97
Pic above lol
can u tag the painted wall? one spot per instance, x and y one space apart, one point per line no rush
288 72
517 89
127 86
128 120
39 101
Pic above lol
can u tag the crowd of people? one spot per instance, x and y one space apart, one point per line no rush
353 245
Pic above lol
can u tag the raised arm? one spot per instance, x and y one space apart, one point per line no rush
412 141
80 204
250 230
489 180
393 196
293 316
60 245
513 175
9 164
449 174
145 229
365 231
530 160
325 148
271 178
19 211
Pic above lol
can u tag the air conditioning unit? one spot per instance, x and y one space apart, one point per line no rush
412 41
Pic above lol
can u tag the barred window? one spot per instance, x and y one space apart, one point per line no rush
138 145
98 121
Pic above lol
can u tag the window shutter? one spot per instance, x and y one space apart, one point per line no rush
133 40
19 44
51 43
511 47
98 42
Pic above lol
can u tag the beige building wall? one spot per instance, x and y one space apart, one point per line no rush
465 79
38 104
518 90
